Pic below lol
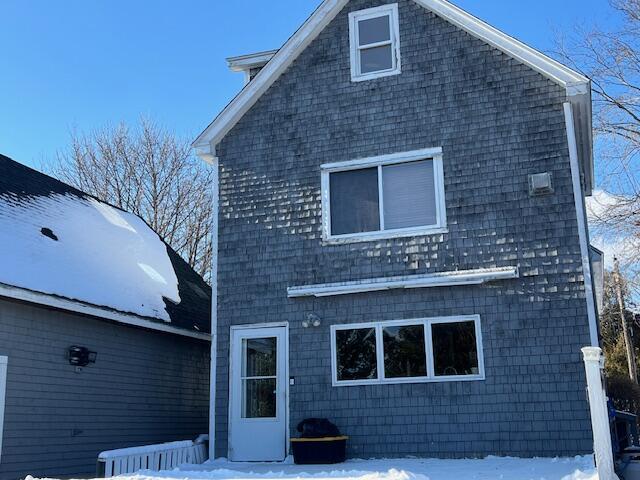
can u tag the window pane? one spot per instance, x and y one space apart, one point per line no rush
374 30
260 357
454 348
409 195
259 398
354 201
356 352
404 352
376 59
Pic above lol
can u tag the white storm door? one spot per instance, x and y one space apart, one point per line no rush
258 400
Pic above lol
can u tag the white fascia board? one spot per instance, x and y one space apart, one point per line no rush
252 60
583 226
575 83
568 78
207 153
441 279
270 73
69 305
3 394
213 372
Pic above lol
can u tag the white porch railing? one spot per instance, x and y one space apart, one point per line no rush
164 456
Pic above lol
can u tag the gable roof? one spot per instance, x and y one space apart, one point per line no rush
575 83
64 248
578 87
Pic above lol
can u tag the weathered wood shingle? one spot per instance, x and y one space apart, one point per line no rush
497 121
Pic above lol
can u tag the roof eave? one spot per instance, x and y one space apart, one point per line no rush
270 73
246 62
83 308
582 109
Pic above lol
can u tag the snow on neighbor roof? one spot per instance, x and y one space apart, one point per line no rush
59 241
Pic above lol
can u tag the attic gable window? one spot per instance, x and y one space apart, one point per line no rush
375 42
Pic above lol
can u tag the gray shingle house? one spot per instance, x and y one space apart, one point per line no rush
401 240
104 331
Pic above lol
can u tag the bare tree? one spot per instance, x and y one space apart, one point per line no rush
611 59
152 173
612 327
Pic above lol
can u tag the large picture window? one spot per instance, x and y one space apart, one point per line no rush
408 351
384 197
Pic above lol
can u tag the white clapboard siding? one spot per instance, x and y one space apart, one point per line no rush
165 456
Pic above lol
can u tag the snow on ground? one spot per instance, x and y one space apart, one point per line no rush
101 255
491 468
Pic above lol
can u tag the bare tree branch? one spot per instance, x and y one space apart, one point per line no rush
152 173
611 59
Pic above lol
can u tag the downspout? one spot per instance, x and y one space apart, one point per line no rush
583 229
208 155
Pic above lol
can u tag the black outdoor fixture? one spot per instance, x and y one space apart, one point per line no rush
81 356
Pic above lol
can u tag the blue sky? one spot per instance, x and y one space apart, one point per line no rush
78 64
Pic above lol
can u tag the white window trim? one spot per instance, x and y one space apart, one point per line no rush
430 378
434 154
3 392
354 17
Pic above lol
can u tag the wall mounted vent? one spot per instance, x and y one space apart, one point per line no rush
540 184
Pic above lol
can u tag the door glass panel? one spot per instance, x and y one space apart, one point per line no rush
259 398
259 377
259 357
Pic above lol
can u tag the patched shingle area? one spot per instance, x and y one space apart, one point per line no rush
497 121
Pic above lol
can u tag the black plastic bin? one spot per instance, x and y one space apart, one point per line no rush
318 451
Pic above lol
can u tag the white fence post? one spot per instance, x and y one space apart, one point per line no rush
594 363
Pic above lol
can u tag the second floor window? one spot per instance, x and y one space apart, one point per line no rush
395 195
374 39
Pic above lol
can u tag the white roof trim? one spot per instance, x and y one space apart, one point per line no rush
574 82
250 94
38 298
442 279
252 60
564 76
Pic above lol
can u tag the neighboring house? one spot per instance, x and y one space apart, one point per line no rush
77 272
401 240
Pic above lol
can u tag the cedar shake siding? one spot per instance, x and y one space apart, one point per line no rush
497 121
146 387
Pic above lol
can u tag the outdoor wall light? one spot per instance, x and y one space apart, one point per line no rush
81 356
312 320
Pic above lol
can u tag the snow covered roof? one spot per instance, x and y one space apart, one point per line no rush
58 241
